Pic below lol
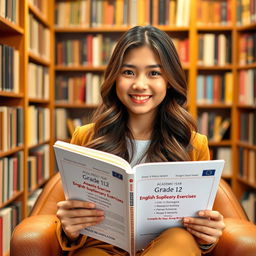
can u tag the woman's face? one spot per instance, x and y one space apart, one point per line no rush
141 85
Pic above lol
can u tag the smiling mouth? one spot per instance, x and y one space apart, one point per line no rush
140 99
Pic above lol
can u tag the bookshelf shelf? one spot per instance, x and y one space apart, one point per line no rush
67 105
38 144
243 106
226 67
35 58
80 68
214 106
9 27
39 101
246 27
14 196
39 15
11 94
220 143
247 66
11 151
208 28
40 184
246 145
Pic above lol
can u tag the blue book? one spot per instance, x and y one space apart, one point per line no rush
209 89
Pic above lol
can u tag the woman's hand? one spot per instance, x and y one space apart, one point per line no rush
76 215
206 229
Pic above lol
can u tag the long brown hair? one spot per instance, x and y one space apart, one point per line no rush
173 126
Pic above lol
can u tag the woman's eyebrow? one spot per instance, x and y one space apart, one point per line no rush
149 66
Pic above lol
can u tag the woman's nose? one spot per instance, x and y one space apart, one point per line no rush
140 83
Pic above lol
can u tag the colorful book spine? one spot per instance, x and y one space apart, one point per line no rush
215 88
214 49
9 69
88 13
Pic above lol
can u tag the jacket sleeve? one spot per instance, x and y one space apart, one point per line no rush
203 153
64 242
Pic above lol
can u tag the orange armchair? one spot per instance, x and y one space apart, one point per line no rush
35 235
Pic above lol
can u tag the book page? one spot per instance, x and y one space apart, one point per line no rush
90 179
167 192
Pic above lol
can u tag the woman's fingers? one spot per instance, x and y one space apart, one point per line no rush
208 228
69 204
76 215
208 239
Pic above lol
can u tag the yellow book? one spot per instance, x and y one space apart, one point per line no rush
172 12
205 12
246 12
228 88
119 12
141 12
216 128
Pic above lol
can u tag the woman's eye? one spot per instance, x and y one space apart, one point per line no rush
155 73
128 72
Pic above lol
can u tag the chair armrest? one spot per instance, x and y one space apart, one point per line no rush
239 238
36 235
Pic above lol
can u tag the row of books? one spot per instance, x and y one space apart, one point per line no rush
38 81
65 124
247 42
9 69
80 89
95 50
102 13
211 12
214 49
246 12
214 126
216 88
247 86
32 199
39 38
11 127
249 204
226 154
41 5
247 127
11 176
38 126
38 166
91 50
247 164
9 217
10 10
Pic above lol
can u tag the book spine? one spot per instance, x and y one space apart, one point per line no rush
132 216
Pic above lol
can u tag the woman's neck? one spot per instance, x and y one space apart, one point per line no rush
141 128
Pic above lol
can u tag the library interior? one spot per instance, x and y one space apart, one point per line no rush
53 54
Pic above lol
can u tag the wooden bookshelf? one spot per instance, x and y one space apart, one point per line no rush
15 34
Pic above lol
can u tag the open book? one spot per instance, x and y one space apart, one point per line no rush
139 202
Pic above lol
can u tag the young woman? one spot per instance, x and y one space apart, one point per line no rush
142 118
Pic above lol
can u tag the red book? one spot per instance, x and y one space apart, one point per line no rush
82 90
216 89
89 48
